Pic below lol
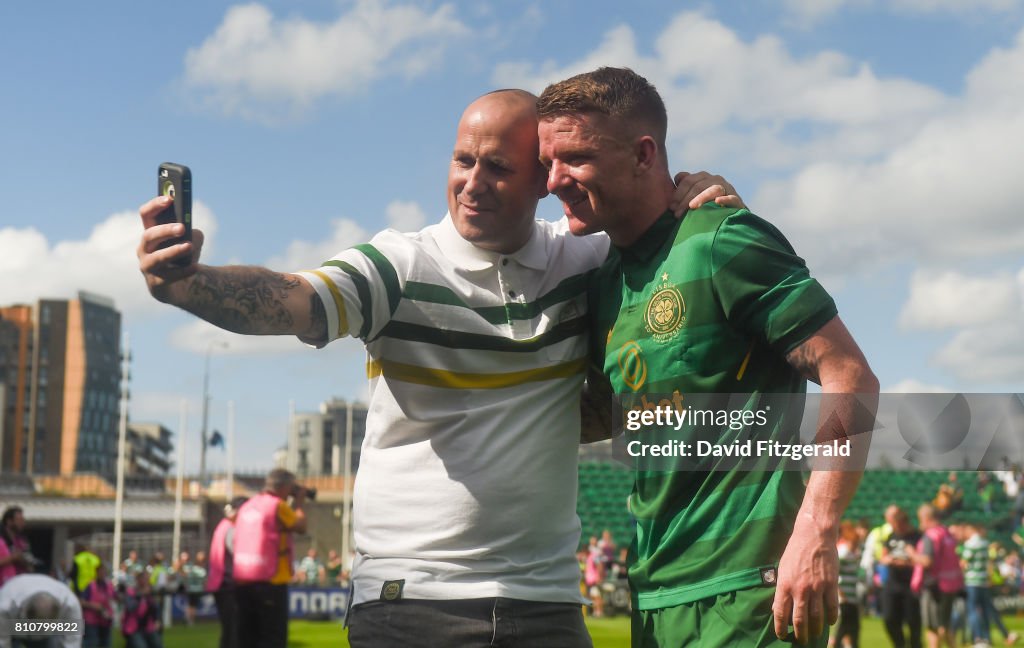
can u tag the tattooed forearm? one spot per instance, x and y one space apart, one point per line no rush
805 360
245 299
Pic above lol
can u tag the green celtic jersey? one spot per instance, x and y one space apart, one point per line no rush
707 305
975 554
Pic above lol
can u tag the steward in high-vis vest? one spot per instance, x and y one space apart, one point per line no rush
83 571
262 561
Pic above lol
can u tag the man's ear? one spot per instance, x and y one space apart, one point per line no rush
645 150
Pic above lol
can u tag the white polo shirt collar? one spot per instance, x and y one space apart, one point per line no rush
469 257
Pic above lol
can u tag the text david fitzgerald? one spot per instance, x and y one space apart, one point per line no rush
746 448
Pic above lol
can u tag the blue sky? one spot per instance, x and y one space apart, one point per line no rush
883 137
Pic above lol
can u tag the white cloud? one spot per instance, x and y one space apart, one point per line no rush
753 103
405 216
990 354
987 313
104 262
952 300
807 12
198 336
868 170
914 386
263 67
303 255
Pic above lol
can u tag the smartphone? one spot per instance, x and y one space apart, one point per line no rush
175 180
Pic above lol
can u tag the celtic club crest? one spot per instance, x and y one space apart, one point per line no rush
665 314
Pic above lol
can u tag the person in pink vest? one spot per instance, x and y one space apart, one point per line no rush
140 620
220 579
937 576
98 610
262 561
15 555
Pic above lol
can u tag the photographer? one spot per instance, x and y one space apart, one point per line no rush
263 559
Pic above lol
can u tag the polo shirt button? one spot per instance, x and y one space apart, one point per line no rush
512 294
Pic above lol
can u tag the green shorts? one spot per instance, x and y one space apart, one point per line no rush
742 619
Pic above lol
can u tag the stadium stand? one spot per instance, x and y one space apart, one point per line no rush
604 487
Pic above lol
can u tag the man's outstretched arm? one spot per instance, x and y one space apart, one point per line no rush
243 299
807 594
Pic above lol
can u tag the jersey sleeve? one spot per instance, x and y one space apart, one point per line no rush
764 288
360 287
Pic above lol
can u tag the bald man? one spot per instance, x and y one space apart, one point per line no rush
39 598
475 330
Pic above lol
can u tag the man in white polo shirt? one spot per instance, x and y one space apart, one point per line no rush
475 333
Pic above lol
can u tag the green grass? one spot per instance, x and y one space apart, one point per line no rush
607 633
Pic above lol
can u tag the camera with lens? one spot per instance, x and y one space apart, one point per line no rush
310 493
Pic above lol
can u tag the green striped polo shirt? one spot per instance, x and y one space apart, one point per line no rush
975 554
707 305
467 479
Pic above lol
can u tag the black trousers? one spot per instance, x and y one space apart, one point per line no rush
900 606
227 612
466 623
262 615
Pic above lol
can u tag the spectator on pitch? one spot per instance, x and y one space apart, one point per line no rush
140 616
83 568
15 553
978 569
607 546
987 491
848 548
311 570
874 571
36 597
98 610
937 576
193 575
263 559
333 567
466 396
695 306
221 574
950 496
900 606
129 568
1010 570
158 573
593 576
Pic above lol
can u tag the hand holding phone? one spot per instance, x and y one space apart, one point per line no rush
175 181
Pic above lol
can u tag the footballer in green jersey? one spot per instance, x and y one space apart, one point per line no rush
718 303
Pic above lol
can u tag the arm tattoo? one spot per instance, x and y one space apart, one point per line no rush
243 299
805 360
317 320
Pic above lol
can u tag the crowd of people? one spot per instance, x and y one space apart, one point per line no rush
932 578
248 577
603 574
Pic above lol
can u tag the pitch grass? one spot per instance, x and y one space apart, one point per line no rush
607 633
